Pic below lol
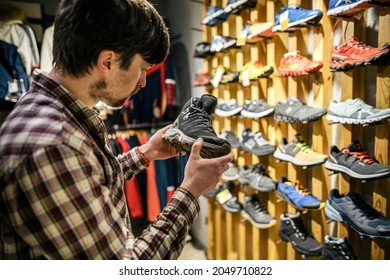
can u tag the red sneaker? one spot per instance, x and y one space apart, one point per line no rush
293 64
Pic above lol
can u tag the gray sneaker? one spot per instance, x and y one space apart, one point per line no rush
231 138
255 143
293 110
256 109
355 111
256 177
256 213
231 174
227 108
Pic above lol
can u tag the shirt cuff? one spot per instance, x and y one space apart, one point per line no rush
185 202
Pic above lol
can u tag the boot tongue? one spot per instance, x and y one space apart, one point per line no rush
208 103
355 146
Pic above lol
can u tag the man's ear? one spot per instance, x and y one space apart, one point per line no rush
105 61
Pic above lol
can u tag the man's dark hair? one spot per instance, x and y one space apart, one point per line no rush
83 28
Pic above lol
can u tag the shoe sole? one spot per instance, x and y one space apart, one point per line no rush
333 214
310 21
227 178
221 113
340 168
299 250
257 225
352 8
287 199
290 119
337 119
285 157
252 115
294 73
182 142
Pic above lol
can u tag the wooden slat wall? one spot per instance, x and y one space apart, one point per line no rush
230 236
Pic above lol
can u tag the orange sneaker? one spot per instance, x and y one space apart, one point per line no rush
293 64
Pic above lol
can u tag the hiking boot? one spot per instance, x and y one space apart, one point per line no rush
231 138
355 111
194 122
231 174
354 53
296 17
298 152
256 213
348 8
255 143
293 110
297 195
256 177
355 162
293 230
337 249
228 201
228 108
293 64
256 109
360 216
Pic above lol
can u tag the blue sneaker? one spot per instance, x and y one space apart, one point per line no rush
360 216
347 8
297 17
298 195
214 15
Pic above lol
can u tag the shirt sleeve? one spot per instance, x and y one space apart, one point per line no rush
131 163
59 206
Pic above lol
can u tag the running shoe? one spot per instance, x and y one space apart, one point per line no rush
231 138
296 17
256 213
293 64
255 143
228 201
214 15
355 111
297 195
231 174
298 152
355 162
256 109
202 50
360 216
194 122
256 31
202 79
293 230
256 177
255 70
337 249
354 53
220 43
236 6
228 108
348 8
293 110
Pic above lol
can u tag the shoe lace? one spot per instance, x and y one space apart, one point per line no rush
300 229
361 156
203 120
257 205
348 252
301 189
304 147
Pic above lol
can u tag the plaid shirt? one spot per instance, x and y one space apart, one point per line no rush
61 188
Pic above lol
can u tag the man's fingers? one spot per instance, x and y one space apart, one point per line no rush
196 147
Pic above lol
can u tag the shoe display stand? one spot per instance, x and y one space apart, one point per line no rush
229 235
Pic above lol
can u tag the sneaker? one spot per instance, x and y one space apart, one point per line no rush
354 53
231 138
293 64
355 111
298 152
202 79
337 249
296 17
256 177
353 210
228 201
194 122
347 8
292 229
297 195
214 15
255 143
221 43
256 213
231 174
256 109
202 50
236 6
228 108
355 162
255 70
293 110
229 77
256 31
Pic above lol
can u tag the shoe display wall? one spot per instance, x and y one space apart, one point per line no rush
312 79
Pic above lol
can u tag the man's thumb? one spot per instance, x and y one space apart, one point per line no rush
195 150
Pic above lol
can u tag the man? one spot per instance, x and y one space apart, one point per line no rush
61 195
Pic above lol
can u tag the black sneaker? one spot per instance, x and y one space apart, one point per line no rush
293 230
194 122
337 249
355 162
228 201
255 143
256 213
293 110
360 216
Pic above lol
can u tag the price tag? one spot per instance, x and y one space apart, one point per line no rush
218 76
245 78
13 86
224 196
284 20
241 40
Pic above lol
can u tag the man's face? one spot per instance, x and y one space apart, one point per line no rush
121 84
